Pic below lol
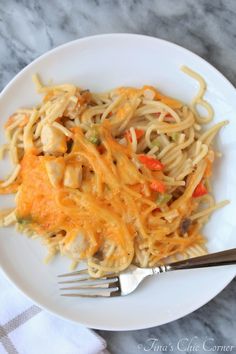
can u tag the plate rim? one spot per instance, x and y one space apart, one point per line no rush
116 34
229 277
87 324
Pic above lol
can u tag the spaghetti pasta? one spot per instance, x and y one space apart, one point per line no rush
114 178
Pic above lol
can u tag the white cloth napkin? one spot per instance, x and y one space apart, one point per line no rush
27 329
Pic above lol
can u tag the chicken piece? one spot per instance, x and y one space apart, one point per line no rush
53 140
55 169
73 176
76 248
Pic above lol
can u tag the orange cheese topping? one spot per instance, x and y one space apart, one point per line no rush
12 188
131 92
51 210
37 197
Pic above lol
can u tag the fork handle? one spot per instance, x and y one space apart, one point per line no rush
210 260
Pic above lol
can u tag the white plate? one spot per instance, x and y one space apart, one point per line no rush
101 63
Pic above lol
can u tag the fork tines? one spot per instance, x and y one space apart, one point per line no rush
89 287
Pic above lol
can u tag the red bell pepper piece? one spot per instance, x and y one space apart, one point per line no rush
138 132
158 186
200 190
151 163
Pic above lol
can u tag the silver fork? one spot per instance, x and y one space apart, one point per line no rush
127 281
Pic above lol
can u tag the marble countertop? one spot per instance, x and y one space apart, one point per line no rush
208 28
